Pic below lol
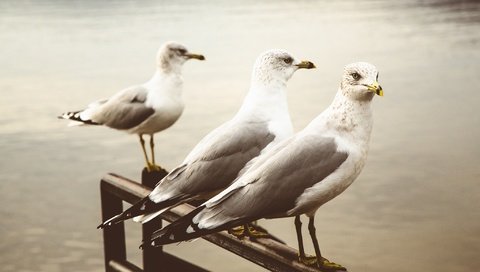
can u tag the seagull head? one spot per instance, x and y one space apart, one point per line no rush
277 66
172 55
360 81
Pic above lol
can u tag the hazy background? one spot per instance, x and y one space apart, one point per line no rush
416 206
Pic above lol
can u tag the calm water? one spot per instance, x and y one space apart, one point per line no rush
415 206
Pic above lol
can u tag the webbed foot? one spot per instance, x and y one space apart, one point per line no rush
325 264
249 230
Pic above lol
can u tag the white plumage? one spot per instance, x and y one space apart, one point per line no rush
262 121
147 108
298 175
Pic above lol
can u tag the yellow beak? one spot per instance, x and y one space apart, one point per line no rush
376 88
306 64
195 56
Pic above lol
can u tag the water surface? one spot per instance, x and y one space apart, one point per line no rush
414 207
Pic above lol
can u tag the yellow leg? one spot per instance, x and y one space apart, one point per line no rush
152 150
152 145
142 143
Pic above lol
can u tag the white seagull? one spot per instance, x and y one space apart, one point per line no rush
298 175
216 160
147 108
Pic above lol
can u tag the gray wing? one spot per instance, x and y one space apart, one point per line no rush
125 110
279 181
217 161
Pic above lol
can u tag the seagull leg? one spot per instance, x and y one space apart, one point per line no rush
322 263
142 143
152 145
307 260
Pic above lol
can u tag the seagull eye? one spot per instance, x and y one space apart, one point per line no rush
356 76
377 78
182 51
288 60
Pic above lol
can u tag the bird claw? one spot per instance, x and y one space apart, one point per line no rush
250 231
308 260
257 233
325 264
237 232
330 266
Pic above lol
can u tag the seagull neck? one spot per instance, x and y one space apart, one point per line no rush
350 117
267 81
164 88
172 71
166 80
265 102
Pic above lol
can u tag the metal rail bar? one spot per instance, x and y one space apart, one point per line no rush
113 192
265 252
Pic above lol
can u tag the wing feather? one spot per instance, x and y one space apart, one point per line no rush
272 186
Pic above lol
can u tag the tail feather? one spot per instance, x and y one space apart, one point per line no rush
76 116
147 217
180 230
185 229
144 206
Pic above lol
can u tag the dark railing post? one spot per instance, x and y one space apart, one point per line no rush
153 257
114 236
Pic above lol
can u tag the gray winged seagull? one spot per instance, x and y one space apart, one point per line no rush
298 175
262 121
147 108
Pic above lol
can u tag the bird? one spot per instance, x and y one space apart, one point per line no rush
298 175
146 108
262 121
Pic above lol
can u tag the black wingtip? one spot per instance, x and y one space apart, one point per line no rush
102 226
136 210
142 207
143 245
177 231
114 220
75 116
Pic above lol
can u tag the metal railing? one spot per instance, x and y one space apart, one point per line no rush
265 252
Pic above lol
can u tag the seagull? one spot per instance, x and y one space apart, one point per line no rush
214 163
298 175
147 108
